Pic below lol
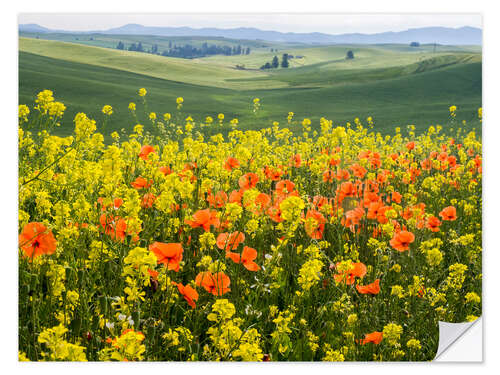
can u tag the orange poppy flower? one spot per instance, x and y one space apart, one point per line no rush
448 213
396 197
230 241
272 174
328 176
154 274
35 239
115 227
297 161
262 201
410 146
284 187
141 183
148 200
188 292
377 210
374 337
402 240
358 170
347 189
145 151
235 197
231 163
216 284
218 200
274 213
369 198
373 288
348 277
315 228
170 254
353 217
247 257
204 218
165 170
117 202
375 162
433 223
248 181
342 174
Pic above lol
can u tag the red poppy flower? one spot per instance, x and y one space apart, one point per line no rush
315 228
248 181
448 213
433 223
115 227
231 163
247 257
374 337
218 200
204 218
165 170
348 277
35 239
188 292
402 240
141 183
148 200
285 187
145 151
216 284
170 254
373 288
297 161
230 241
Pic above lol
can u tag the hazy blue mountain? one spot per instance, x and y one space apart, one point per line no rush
441 35
33 28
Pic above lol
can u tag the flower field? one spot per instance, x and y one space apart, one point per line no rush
165 244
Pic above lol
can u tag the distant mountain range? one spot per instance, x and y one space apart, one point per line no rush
442 35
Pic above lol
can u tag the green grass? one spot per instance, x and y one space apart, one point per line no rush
198 72
419 98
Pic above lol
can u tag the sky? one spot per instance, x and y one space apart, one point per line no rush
325 23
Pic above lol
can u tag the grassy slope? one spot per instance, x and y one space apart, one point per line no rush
421 99
197 72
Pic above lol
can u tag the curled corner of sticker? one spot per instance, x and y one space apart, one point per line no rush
449 333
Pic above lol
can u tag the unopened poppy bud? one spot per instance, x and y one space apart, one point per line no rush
154 284
88 336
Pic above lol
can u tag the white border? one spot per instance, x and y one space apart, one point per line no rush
491 129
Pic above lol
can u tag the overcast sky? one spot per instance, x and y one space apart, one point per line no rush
325 23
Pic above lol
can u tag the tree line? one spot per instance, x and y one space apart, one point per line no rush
188 51
275 62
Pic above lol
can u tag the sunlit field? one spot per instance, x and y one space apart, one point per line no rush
179 242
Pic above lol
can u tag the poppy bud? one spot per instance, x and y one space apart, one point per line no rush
88 336
266 358
154 284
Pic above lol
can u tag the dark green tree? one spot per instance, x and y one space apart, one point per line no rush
275 63
120 45
284 61
350 55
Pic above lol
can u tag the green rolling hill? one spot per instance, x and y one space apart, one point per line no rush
395 86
